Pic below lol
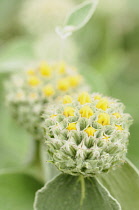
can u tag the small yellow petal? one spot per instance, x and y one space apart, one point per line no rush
119 127
86 111
90 131
62 68
19 95
54 115
104 119
103 104
48 90
30 72
74 80
84 98
97 97
117 115
33 81
63 84
33 95
67 99
72 126
45 69
69 111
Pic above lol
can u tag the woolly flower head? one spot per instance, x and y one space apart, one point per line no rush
28 91
87 134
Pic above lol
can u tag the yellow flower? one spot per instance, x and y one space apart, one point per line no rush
63 84
104 119
90 131
54 115
33 95
106 138
30 72
74 80
19 95
72 126
84 98
67 99
119 127
97 97
68 111
33 81
48 90
45 69
62 68
86 111
117 115
103 104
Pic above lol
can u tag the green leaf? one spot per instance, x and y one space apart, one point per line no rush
77 18
81 14
123 184
17 191
67 192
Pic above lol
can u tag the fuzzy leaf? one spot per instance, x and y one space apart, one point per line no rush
77 18
17 191
64 192
123 184
81 14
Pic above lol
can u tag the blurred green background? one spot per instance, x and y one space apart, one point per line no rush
106 51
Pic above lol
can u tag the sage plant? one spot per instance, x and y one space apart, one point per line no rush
88 134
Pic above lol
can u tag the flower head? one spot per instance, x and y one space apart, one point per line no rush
29 91
88 135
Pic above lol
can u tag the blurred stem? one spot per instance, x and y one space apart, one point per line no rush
62 49
35 166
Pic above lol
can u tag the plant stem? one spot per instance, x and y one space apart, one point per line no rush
35 166
82 180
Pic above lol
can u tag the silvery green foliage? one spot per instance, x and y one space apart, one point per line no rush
28 91
76 150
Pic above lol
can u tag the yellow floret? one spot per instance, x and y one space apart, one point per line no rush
62 68
97 97
90 131
84 98
104 119
19 95
103 104
33 95
63 84
74 80
117 115
106 138
33 81
48 90
53 115
45 69
30 72
72 126
67 99
119 127
69 111
86 111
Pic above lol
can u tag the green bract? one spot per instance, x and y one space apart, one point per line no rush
28 91
87 134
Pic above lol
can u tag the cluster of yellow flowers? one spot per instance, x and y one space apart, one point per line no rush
28 91
50 79
87 134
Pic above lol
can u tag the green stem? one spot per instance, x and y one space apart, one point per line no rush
35 166
82 181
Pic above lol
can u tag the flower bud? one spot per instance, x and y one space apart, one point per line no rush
29 91
93 131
